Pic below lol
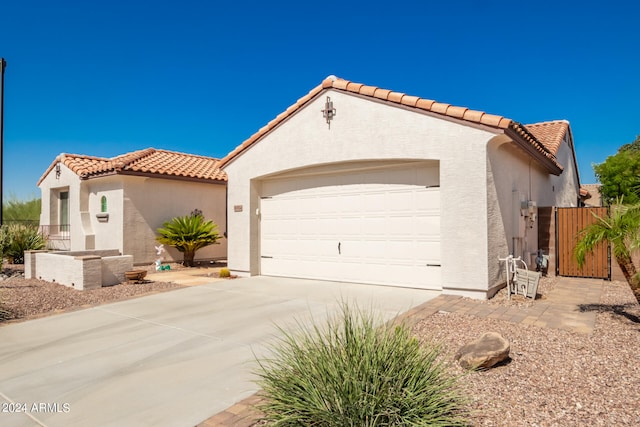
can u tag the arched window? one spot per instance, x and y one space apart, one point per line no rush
103 204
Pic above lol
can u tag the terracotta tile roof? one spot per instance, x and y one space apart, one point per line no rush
550 134
150 162
513 128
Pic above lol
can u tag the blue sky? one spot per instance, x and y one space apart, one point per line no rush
107 77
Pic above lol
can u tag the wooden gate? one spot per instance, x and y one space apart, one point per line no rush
569 222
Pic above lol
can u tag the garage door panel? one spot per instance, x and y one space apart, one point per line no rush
427 226
290 248
386 224
402 226
401 201
373 225
430 251
429 201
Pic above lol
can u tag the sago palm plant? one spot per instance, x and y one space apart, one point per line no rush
621 228
188 234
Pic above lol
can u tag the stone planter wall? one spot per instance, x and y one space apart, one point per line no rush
79 270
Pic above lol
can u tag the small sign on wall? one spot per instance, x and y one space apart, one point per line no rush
237 208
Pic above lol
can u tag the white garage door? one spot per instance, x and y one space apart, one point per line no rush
380 227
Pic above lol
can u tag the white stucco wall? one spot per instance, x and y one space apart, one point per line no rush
108 232
368 130
50 188
136 207
149 202
565 187
512 175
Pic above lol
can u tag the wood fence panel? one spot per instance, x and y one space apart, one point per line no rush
569 223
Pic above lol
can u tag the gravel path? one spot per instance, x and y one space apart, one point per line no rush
554 377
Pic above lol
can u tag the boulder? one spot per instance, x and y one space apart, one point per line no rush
485 352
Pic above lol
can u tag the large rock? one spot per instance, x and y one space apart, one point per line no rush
485 352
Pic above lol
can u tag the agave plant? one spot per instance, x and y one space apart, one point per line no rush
188 234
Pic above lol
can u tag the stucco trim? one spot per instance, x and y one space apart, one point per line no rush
459 115
418 110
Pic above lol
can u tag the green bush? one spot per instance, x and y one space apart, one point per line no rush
188 234
14 209
224 272
17 238
351 372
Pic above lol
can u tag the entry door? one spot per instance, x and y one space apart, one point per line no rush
380 227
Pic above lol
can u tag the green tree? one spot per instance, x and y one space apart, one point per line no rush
620 227
620 174
14 209
188 234
634 146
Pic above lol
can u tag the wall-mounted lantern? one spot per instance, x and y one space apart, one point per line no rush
329 112
58 172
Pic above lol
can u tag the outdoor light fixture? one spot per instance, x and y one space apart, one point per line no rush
58 171
328 111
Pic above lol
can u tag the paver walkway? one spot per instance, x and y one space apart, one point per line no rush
559 310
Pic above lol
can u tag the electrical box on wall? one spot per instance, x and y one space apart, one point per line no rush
532 211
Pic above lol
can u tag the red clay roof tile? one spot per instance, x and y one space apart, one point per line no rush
340 84
550 134
354 87
149 161
490 119
409 100
425 104
527 135
368 90
395 97
457 112
381 93
440 108
473 115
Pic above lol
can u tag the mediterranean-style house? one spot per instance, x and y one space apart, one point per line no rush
351 183
361 184
118 203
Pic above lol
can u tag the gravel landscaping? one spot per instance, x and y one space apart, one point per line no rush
23 299
554 377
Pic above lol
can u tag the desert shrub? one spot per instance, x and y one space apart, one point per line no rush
224 272
15 209
351 372
17 238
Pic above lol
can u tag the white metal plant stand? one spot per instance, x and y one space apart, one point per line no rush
520 280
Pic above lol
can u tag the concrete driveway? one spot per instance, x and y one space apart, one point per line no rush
170 359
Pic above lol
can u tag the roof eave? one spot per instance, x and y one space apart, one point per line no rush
550 165
125 172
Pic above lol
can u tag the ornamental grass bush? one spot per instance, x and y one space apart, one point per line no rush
356 371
